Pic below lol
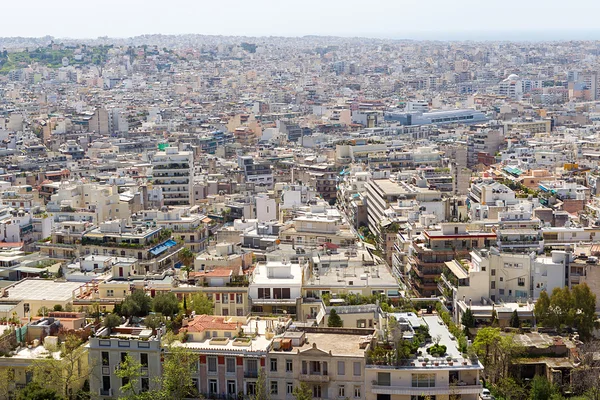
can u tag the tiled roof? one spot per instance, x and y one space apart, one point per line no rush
203 323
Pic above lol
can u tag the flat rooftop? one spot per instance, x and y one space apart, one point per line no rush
42 289
338 344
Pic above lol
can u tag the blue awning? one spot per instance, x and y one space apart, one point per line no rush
156 250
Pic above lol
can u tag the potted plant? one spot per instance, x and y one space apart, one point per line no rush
449 359
425 361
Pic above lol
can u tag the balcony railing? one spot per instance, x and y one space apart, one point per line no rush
431 391
314 378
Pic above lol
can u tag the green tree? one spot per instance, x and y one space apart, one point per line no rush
129 372
179 365
166 304
496 352
111 321
561 307
187 257
584 313
515 322
541 388
262 392
302 392
542 306
35 391
137 304
509 389
63 375
334 320
468 320
153 321
201 304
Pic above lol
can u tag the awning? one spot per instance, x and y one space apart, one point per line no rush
156 250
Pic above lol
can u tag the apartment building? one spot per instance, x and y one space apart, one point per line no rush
190 228
173 173
276 286
153 247
436 377
331 363
427 256
108 348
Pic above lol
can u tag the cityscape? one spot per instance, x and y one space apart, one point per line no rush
307 217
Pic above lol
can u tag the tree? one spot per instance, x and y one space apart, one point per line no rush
561 307
542 306
541 388
35 391
111 321
129 372
153 321
43 311
334 320
201 304
187 258
584 303
176 381
468 320
302 392
262 393
515 322
166 304
496 352
510 389
63 375
137 304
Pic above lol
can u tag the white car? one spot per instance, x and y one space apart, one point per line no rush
486 395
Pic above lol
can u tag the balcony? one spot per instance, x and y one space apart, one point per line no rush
457 389
314 378
251 374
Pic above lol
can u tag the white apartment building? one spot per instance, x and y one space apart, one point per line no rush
173 173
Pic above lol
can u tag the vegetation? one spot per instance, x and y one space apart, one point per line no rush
66 374
111 321
262 392
201 304
166 304
496 351
455 330
35 391
334 320
302 392
515 322
467 320
565 308
437 350
137 304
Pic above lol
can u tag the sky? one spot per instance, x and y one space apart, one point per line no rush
396 19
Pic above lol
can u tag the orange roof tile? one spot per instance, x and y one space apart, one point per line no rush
203 323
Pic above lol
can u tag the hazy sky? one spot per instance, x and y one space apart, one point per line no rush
439 19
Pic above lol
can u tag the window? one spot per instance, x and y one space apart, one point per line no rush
239 298
251 388
264 293
289 388
341 368
493 284
231 387
289 365
230 365
123 357
384 379
521 281
361 323
106 383
273 365
274 387
501 292
357 369
144 359
145 384
212 364
493 272
225 298
110 293
105 358
317 391
341 391
357 392
501 279
212 386
423 380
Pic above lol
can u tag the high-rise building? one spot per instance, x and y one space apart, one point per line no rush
173 173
